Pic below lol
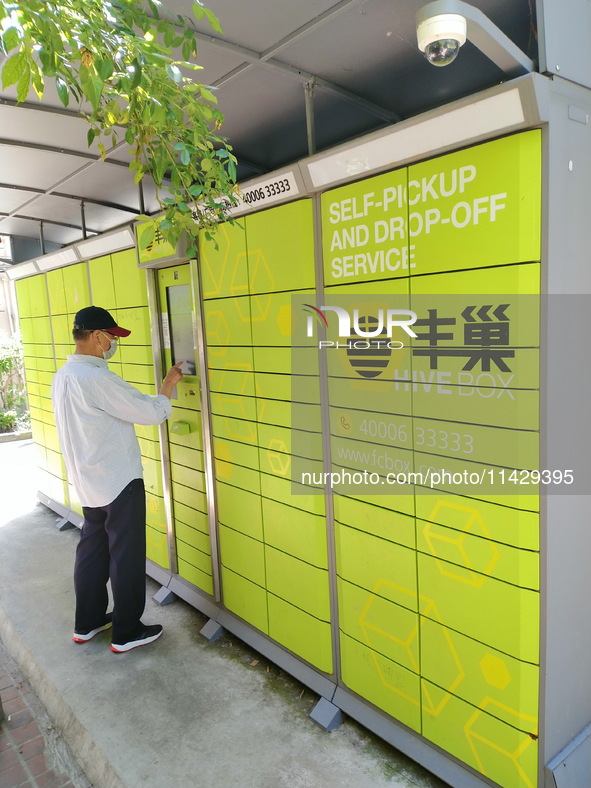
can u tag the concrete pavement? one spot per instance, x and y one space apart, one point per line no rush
180 713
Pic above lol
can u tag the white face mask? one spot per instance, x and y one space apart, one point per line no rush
110 352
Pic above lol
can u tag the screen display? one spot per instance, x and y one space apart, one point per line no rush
181 327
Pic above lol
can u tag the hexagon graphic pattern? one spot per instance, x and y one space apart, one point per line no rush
448 655
485 749
222 265
407 640
237 425
223 460
217 330
278 458
478 568
246 369
214 268
284 320
239 280
243 308
261 276
260 308
495 671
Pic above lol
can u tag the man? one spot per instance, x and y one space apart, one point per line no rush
95 411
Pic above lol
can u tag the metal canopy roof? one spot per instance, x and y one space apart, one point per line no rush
360 55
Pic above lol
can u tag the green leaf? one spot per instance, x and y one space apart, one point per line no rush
48 62
90 136
23 85
154 9
103 151
187 50
174 73
138 176
185 156
92 86
175 178
168 36
147 235
62 91
13 69
104 68
38 84
11 39
137 75
213 21
198 11
129 137
207 94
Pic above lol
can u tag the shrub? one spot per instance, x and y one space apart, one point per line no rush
13 402
8 419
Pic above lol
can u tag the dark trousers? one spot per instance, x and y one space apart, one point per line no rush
113 545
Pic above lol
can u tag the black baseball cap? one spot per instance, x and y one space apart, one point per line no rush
92 318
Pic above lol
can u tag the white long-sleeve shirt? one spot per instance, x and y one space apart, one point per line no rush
95 411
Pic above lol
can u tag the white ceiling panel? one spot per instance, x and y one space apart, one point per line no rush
272 86
11 199
98 218
257 24
107 182
215 62
38 127
36 168
30 229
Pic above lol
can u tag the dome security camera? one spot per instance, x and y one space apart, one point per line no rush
440 37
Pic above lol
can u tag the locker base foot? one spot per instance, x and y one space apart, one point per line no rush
326 715
63 524
163 596
212 630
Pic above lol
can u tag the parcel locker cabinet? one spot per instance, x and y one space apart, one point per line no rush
438 591
228 338
274 561
471 567
40 365
177 318
280 244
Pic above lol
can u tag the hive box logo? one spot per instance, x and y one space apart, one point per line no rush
367 339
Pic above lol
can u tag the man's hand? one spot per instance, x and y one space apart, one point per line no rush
173 376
